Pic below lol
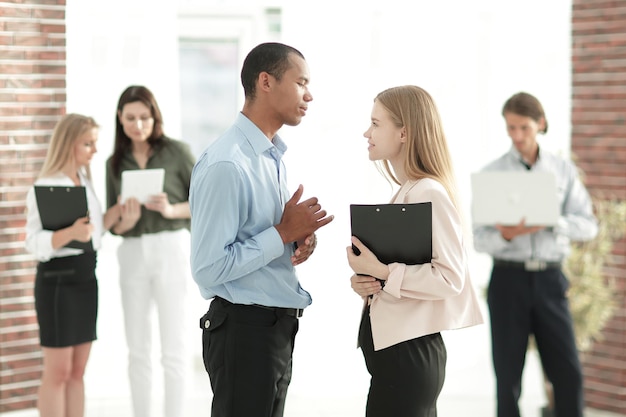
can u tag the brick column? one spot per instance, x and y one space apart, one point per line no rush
599 142
32 97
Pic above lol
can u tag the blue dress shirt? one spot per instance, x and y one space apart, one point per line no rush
576 222
237 194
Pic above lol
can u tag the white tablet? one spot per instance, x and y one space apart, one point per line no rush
142 183
507 197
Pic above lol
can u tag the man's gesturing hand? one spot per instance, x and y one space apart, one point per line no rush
301 218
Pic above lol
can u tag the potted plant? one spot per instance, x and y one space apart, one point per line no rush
591 293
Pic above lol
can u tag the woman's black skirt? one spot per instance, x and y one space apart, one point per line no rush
66 300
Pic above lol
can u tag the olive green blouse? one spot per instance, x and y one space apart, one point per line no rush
177 160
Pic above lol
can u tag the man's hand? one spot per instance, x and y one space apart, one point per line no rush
301 219
511 232
304 249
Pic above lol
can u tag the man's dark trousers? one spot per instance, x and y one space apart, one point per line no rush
525 302
247 353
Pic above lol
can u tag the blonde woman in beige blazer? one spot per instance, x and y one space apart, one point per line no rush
407 306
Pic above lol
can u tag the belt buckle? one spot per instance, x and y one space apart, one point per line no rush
299 312
535 265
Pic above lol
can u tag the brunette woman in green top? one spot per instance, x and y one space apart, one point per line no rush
154 253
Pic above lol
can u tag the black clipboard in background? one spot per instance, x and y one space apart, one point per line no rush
60 206
395 232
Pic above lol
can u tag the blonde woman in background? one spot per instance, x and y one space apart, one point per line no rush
66 288
407 306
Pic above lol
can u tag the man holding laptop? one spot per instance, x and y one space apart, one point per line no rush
527 290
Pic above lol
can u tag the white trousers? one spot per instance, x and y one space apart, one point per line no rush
155 272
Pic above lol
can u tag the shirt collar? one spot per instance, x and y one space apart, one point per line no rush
514 153
257 140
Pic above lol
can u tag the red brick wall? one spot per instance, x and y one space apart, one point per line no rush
32 97
599 142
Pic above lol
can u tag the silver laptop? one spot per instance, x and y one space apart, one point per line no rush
507 197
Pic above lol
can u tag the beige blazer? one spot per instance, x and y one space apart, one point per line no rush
418 300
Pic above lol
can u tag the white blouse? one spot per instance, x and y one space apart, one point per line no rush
38 240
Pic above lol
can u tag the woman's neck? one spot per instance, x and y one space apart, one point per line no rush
72 173
141 148
141 153
398 170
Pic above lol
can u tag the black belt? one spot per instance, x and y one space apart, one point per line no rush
529 265
292 312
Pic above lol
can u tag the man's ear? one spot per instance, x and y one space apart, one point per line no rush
264 81
542 124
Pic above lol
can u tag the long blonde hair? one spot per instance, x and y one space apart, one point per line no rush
427 154
64 137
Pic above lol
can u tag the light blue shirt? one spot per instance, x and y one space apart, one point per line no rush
237 194
576 222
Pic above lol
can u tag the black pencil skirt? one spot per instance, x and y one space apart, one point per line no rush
406 377
66 300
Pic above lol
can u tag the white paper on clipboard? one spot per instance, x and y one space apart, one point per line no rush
142 183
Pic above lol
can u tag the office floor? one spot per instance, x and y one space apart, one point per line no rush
467 392
326 342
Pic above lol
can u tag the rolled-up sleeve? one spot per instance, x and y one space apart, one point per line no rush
488 239
577 220
38 241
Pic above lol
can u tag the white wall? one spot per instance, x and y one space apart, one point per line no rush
471 56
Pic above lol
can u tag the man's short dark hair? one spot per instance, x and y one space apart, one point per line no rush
270 57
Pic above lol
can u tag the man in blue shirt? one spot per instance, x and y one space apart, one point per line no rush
527 290
246 237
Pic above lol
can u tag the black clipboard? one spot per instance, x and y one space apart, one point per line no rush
60 206
395 232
